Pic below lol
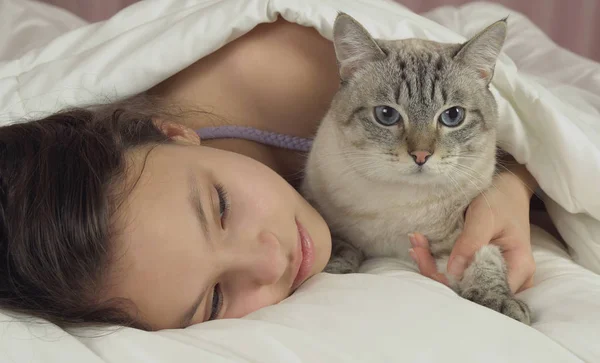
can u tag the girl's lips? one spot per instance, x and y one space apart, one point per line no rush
306 256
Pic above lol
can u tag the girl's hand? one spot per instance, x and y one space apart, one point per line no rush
499 216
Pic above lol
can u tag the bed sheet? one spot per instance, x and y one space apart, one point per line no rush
387 313
27 25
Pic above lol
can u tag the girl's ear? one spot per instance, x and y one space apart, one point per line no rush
178 132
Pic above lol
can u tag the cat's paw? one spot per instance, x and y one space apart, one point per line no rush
502 303
339 265
345 257
516 309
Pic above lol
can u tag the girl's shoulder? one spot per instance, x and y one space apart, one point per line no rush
279 77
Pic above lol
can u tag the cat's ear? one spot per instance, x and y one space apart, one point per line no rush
354 46
481 51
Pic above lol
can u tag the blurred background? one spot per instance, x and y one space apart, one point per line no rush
573 24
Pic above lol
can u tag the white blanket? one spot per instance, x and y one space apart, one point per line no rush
550 120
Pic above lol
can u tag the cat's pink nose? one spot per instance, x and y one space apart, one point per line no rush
420 157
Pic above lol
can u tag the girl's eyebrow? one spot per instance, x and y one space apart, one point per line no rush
186 319
196 203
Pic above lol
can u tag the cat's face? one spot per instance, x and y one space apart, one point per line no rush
416 110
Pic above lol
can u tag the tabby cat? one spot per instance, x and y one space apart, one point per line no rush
408 142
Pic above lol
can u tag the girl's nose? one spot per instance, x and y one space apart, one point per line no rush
263 261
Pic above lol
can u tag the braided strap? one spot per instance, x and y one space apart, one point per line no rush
250 133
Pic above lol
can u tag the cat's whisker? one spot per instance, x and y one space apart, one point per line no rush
465 167
519 179
361 163
326 162
501 164
466 156
474 174
345 157
338 162
350 152
365 168
481 191
456 184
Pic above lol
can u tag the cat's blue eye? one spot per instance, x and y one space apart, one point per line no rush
453 116
387 116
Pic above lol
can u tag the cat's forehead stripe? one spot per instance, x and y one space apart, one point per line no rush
419 68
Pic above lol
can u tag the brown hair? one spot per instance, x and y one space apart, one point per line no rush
61 179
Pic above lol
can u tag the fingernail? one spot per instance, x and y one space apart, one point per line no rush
457 266
414 242
414 256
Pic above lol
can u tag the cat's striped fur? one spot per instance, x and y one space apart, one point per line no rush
366 177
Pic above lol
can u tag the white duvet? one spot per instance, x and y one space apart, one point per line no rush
549 101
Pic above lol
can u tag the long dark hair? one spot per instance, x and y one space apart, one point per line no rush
61 180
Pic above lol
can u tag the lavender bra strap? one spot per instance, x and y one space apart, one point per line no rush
284 141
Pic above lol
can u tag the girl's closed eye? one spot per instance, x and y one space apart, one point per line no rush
217 296
217 302
224 204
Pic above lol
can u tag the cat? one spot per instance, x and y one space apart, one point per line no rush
408 142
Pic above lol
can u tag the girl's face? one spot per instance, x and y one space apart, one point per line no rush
209 234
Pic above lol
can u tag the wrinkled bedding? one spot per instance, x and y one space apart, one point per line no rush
549 103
